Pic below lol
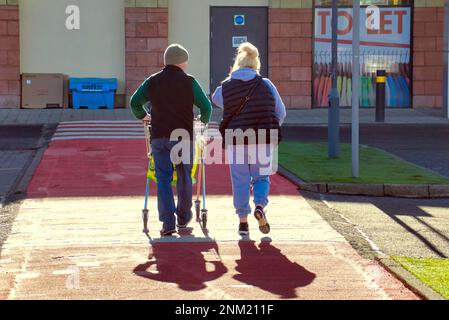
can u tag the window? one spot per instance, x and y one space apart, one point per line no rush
385 47
345 3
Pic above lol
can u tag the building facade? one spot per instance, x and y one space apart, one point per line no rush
125 39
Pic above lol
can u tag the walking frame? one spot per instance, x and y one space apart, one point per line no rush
200 132
201 141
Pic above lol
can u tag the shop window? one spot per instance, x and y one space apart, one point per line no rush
383 47
348 3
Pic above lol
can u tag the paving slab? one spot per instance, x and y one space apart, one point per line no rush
93 248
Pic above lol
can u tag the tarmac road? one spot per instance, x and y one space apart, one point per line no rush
18 147
424 145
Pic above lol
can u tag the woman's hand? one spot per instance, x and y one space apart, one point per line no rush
147 120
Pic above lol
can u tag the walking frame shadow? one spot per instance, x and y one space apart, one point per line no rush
192 262
183 261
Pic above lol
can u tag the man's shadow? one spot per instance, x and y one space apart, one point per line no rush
267 268
183 261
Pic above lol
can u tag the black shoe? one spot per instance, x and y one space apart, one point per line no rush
168 232
184 225
243 229
259 214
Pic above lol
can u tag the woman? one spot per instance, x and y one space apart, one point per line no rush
253 105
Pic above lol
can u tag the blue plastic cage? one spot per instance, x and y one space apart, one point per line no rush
93 93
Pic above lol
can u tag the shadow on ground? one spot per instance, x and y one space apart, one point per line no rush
183 263
264 266
414 216
192 262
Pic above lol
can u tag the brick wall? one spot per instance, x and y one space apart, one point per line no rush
290 54
428 57
146 40
9 57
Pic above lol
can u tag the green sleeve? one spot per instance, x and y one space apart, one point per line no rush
202 102
139 99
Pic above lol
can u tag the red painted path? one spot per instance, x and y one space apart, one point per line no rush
114 167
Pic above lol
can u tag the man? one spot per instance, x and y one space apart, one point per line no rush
172 94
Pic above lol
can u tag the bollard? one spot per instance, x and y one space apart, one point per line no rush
380 95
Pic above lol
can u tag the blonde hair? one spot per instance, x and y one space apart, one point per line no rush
247 57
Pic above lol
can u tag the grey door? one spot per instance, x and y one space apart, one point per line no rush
229 26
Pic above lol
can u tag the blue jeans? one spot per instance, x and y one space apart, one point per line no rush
164 174
251 172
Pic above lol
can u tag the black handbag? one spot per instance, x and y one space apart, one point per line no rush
225 123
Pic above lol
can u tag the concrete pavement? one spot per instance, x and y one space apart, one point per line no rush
64 245
367 116
55 116
295 117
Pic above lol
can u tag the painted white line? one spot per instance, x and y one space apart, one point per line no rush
99 122
88 264
28 275
100 129
89 130
63 272
327 204
100 126
60 134
373 246
99 137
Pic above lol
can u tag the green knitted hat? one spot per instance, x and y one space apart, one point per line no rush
175 54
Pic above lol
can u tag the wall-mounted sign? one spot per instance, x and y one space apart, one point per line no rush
239 20
237 41
384 45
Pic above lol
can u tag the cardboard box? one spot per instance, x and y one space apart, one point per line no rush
41 91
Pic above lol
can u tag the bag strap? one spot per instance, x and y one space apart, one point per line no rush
245 100
248 96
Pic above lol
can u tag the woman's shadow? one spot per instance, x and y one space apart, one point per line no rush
267 268
182 261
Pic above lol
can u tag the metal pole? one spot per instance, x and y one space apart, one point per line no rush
334 108
355 87
446 61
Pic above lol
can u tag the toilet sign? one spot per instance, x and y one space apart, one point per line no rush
385 27
239 20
